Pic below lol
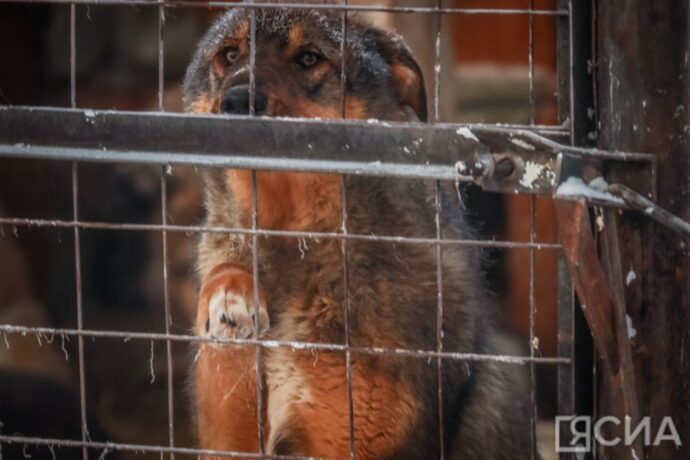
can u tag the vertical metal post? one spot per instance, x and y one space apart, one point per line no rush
533 340
439 317
642 75
576 108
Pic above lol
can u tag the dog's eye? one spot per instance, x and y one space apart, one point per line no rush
308 59
231 54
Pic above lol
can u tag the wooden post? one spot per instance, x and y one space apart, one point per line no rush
643 104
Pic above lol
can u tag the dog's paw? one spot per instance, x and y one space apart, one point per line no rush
227 308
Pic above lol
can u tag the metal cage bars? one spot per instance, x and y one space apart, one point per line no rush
255 232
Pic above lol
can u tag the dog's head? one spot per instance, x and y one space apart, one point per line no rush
298 68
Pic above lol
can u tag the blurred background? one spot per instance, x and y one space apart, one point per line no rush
484 79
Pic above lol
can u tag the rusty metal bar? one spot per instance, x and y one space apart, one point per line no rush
575 232
566 340
651 209
622 391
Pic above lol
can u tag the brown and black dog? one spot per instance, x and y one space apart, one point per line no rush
392 287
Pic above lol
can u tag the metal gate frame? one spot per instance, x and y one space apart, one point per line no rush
499 158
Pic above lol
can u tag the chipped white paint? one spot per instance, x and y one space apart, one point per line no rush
90 116
522 144
532 172
461 167
466 133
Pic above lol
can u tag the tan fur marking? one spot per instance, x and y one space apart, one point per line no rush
407 85
296 201
384 410
203 105
289 201
295 39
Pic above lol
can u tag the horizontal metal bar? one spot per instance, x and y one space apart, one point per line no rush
116 446
294 345
27 222
500 158
306 6
650 209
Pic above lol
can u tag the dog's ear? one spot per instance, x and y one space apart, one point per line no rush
406 76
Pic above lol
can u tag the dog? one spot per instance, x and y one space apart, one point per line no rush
392 288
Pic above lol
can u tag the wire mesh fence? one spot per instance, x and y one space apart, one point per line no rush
41 146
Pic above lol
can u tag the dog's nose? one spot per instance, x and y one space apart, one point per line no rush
236 101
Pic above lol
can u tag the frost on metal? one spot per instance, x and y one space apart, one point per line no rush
575 187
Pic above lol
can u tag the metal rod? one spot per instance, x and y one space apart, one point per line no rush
348 313
161 58
532 110
533 341
308 6
77 239
566 338
650 209
168 315
252 61
73 55
272 233
164 235
343 70
257 314
437 63
80 312
143 448
439 317
274 344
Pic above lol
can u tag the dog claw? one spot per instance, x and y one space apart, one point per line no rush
233 316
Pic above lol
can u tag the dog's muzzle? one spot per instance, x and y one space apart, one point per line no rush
236 101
